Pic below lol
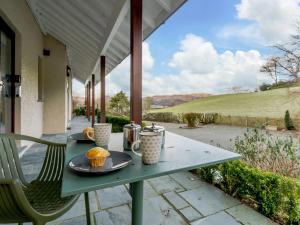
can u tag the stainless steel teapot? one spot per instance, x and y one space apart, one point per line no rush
131 133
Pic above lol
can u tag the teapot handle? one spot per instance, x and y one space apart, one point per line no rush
133 145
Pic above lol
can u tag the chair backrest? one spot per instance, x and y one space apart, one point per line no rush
53 165
10 166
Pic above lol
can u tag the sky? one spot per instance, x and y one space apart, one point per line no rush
209 46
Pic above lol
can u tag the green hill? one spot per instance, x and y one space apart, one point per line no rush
271 104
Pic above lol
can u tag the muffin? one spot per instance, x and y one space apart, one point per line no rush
97 156
88 132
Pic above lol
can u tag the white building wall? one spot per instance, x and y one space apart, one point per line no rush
50 115
29 46
55 92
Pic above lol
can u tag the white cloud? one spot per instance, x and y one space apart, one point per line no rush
190 56
201 69
119 78
271 21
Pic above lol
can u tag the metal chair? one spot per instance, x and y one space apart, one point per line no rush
38 201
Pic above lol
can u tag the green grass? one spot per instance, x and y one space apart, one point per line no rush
271 104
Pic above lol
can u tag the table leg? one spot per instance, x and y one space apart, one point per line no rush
137 189
87 208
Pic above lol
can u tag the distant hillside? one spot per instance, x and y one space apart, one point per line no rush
79 101
171 100
271 103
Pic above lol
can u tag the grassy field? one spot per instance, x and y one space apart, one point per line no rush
271 104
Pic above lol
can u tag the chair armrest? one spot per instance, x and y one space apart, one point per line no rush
33 139
14 199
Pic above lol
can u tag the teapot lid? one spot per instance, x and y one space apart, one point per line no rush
154 128
132 125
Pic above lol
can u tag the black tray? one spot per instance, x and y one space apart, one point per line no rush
116 160
80 138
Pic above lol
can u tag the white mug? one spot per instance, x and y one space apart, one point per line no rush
102 133
150 147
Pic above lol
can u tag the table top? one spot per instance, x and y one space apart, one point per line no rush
180 154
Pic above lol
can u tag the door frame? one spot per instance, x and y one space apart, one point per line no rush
12 36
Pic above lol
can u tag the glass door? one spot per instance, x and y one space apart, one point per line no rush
7 92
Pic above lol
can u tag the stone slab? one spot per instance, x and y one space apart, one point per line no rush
165 184
112 197
249 216
157 211
220 218
190 214
187 180
79 208
120 215
209 199
76 221
177 201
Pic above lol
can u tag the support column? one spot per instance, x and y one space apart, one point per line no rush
136 37
85 99
102 89
89 101
93 100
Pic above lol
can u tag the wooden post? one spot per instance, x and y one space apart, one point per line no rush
85 99
89 101
93 100
136 37
102 90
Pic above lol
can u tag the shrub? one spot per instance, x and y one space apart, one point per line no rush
273 195
192 119
264 87
279 155
167 117
288 121
79 111
118 122
209 118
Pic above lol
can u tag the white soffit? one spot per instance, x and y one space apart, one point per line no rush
90 28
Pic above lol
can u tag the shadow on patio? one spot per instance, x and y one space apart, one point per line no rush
181 198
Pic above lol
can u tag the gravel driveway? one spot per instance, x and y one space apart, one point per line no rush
218 135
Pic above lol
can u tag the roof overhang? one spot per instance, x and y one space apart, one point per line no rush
97 27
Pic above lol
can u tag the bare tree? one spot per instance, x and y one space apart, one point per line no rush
271 68
287 63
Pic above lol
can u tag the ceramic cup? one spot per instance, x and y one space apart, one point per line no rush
150 147
102 133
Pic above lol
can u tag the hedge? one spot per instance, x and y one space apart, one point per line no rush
118 122
275 196
206 118
167 117
79 111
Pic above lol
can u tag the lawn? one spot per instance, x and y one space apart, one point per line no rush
271 104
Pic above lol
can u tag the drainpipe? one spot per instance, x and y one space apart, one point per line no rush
93 100
102 89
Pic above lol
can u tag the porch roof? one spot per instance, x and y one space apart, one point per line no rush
97 27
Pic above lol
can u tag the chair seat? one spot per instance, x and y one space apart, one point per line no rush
45 196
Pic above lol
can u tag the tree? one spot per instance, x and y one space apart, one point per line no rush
270 68
119 104
288 121
287 62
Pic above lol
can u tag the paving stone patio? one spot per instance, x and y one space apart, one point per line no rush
180 198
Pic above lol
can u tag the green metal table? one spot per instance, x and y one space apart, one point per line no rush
180 154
